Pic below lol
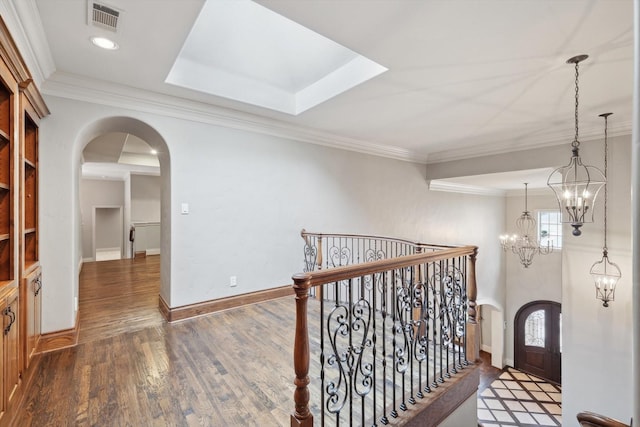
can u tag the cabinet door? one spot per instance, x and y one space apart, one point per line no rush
12 345
33 296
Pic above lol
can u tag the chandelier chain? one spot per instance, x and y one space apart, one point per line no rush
575 142
606 167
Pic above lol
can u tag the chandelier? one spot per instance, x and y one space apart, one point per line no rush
604 272
524 243
575 185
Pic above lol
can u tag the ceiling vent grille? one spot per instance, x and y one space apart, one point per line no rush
103 16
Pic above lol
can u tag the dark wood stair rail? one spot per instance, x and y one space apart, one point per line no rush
591 419
303 282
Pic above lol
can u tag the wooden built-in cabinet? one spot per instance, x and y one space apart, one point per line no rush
21 108
30 271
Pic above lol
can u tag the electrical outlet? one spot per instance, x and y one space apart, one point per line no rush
233 281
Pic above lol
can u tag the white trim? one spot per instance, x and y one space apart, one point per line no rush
486 348
508 362
79 88
24 21
505 147
88 259
155 251
451 187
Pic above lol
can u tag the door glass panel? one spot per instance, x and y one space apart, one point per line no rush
534 329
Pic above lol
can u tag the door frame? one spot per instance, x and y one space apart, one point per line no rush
93 238
554 352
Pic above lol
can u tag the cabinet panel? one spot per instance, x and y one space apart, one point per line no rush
33 307
3 306
12 345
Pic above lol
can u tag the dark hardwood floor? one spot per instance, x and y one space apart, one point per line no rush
118 296
487 372
131 368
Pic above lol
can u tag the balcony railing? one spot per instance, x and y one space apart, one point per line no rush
392 324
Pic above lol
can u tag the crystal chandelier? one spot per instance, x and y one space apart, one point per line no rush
575 185
525 244
604 272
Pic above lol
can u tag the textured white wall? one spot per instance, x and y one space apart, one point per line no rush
249 196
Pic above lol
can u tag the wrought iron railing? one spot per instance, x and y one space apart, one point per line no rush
384 334
325 250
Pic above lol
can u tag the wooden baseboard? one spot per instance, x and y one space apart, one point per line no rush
206 307
58 340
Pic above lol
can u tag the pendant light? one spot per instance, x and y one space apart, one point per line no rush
604 272
575 185
525 243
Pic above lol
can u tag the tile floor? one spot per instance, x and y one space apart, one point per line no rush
519 399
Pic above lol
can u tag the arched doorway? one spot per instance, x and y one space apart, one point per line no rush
537 340
150 136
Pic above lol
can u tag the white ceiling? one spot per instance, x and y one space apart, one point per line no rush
244 51
117 154
464 77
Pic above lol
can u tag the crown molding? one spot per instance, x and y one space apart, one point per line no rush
451 187
619 129
79 88
23 19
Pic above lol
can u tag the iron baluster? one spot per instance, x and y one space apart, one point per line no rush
322 361
394 316
384 310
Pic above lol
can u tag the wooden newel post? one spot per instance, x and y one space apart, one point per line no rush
473 333
301 416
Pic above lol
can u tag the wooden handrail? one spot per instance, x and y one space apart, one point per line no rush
337 274
591 419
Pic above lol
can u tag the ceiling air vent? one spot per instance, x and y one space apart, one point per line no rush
102 15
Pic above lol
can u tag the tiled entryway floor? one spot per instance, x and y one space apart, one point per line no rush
519 399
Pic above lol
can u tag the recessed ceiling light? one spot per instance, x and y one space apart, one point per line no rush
154 151
104 43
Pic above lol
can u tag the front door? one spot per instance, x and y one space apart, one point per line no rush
537 339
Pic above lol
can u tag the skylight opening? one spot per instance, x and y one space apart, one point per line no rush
243 51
